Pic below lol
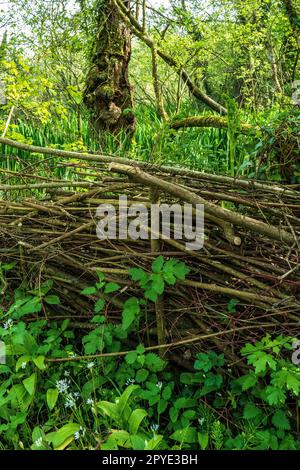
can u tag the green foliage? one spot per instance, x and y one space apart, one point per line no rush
163 272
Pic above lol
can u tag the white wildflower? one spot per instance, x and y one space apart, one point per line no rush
90 365
8 324
38 442
159 385
90 401
62 385
70 401
129 382
23 365
80 433
154 427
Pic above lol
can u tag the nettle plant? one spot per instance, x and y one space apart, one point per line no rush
134 400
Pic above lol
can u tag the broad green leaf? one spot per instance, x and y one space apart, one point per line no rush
30 383
135 420
110 409
52 300
99 305
89 290
40 362
158 264
111 287
203 439
62 438
187 435
123 400
52 396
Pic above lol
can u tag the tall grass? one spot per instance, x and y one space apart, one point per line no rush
202 149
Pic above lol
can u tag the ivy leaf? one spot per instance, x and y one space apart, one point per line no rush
280 420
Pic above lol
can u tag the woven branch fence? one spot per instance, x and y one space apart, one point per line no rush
243 283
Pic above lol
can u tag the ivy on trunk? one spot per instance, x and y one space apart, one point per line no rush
107 91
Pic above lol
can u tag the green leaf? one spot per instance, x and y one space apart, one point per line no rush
98 319
89 290
123 400
251 411
52 300
231 305
135 420
158 264
137 274
181 270
173 413
32 306
131 310
154 442
131 357
141 375
280 420
30 383
110 409
203 439
51 396
99 305
162 406
275 396
62 438
40 362
111 287
186 435
167 392
157 284
247 381
140 349
22 360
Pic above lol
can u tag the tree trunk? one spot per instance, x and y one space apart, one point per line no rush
108 93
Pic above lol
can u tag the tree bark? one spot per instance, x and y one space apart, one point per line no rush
108 93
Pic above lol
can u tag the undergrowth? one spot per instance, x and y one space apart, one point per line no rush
101 388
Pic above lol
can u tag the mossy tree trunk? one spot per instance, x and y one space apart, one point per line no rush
108 92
